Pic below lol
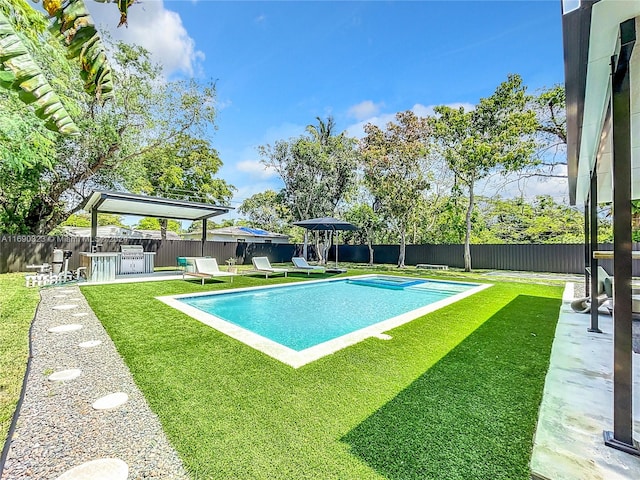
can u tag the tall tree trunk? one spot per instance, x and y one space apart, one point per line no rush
467 235
319 251
370 245
403 247
163 228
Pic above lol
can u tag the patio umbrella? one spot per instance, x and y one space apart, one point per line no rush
324 223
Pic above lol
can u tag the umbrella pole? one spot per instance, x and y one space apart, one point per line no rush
336 233
306 241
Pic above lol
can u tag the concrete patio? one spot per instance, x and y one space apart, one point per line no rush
577 405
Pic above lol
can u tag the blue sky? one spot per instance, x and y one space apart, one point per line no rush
279 65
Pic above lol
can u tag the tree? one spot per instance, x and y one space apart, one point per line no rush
146 116
395 170
183 168
84 220
318 170
148 223
267 210
541 221
497 136
549 106
20 71
369 223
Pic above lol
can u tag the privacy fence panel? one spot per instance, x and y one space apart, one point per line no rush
18 251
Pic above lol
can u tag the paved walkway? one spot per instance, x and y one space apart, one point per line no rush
577 405
82 405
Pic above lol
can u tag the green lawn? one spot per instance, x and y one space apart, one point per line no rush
17 308
454 395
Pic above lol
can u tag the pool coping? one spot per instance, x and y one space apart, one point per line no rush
297 359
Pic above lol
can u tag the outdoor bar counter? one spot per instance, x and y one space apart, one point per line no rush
104 266
608 254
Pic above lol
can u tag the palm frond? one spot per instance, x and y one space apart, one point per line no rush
75 27
20 73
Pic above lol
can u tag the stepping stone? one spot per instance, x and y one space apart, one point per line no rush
69 327
81 314
65 375
90 344
383 336
59 296
101 469
65 307
112 400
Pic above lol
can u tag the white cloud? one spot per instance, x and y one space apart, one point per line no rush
155 28
424 111
365 109
222 104
255 168
357 129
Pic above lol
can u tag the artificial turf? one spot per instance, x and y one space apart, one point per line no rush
454 394
17 308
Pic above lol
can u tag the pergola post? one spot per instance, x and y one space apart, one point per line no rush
621 437
587 245
593 262
94 229
204 236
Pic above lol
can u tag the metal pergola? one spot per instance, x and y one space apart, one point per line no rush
602 73
147 206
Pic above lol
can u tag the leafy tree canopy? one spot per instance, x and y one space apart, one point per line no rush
318 169
395 170
147 117
148 223
82 219
267 210
497 136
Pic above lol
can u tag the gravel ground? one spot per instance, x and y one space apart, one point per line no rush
57 428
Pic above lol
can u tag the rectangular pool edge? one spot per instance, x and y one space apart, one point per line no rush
297 359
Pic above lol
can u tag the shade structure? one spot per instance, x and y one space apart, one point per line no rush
326 224
147 206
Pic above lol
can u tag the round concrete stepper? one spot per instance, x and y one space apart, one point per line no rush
110 401
80 314
383 336
90 344
63 375
66 306
69 327
101 469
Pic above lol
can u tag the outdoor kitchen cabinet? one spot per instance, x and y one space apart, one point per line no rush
101 267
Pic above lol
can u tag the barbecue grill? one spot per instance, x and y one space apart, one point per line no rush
132 259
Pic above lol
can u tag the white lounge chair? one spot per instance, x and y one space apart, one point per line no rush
207 268
262 265
301 264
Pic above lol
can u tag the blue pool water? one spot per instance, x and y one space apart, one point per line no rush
303 315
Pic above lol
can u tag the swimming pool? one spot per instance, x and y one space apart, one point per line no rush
299 323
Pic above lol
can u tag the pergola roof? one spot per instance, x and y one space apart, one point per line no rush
591 37
144 206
